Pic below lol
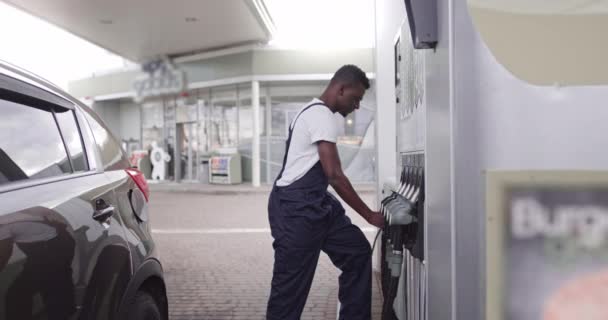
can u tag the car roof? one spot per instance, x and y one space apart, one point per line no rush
26 76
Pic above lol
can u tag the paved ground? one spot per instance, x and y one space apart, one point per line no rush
217 254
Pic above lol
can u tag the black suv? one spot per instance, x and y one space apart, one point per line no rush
75 241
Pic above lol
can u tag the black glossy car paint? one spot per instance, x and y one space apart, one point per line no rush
74 246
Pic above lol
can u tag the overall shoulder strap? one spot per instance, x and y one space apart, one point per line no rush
288 142
293 124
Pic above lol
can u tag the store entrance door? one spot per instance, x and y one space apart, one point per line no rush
187 149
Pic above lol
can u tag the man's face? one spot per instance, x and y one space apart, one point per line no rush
349 97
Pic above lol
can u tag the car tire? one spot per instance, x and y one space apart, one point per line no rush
144 307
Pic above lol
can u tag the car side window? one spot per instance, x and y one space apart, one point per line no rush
112 156
30 144
73 140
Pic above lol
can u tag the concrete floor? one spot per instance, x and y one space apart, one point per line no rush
217 255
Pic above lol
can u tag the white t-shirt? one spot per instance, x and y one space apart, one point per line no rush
315 124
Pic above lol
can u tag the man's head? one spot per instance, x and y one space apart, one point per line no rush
346 89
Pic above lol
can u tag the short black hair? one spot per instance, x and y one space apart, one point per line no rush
351 74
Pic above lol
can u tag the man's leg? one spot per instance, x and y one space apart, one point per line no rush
291 281
297 245
19 295
350 251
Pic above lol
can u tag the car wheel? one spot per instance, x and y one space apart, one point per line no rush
144 307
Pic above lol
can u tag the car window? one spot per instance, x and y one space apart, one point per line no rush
30 144
112 156
73 140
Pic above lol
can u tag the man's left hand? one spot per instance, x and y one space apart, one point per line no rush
375 218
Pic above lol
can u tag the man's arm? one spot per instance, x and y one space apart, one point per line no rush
328 154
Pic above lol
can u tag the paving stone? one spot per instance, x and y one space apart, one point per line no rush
217 276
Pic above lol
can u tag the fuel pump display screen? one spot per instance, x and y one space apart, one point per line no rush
547 246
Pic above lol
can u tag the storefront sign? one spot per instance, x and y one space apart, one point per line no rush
160 77
547 245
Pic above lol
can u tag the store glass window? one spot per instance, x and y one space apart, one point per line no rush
283 114
204 114
223 122
356 144
246 131
187 108
152 123
246 120
284 109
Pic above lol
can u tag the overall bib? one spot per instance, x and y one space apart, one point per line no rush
305 219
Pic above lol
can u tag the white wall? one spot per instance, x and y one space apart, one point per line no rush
130 121
389 15
109 111
504 123
122 118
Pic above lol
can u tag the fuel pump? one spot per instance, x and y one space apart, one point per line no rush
402 239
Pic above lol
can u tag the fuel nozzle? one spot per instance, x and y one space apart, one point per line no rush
401 211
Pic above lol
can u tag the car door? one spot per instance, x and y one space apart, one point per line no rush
131 196
114 164
63 253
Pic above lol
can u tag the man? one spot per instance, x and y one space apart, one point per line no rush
305 218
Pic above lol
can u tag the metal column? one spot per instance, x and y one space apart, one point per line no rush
268 134
255 150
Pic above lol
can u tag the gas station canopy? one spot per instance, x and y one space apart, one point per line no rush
140 30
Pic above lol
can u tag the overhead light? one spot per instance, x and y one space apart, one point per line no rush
106 21
349 122
293 30
191 19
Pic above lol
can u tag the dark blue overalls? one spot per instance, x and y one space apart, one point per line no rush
305 219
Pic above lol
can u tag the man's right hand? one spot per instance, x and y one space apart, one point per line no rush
375 218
